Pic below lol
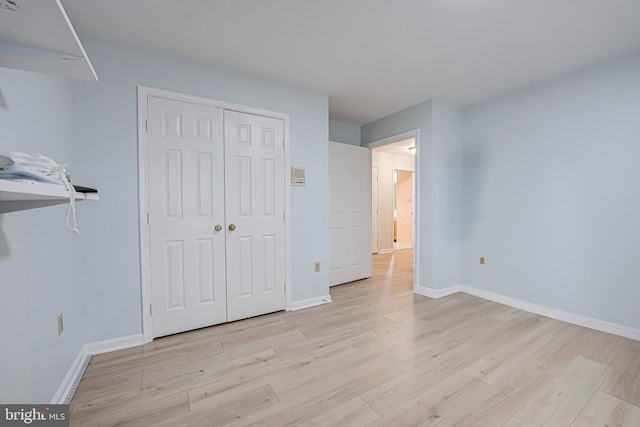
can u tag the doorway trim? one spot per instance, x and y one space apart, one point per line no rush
416 243
143 190
374 235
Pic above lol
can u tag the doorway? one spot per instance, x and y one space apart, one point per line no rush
395 216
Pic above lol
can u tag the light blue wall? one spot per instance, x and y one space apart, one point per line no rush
344 132
438 184
551 193
37 253
107 155
94 278
446 203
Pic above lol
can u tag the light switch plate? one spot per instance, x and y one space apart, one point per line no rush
298 177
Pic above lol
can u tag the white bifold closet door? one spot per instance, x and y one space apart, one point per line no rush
216 205
349 213
186 187
254 195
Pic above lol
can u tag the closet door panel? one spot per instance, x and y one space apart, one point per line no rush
254 194
186 201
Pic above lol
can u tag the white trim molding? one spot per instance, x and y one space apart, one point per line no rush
72 379
114 344
311 302
565 316
76 371
437 293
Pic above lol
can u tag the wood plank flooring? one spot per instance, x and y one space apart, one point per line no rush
377 356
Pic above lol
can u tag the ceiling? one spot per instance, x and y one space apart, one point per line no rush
375 57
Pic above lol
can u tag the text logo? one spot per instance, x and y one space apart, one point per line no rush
36 415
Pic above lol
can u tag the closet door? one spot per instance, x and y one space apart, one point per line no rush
186 194
254 195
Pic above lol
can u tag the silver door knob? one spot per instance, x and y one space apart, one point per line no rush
218 227
232 227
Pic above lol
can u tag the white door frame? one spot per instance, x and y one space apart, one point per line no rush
416 213
374 208
143 189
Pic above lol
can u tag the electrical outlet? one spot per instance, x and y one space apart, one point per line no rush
316 267
482 260
60 324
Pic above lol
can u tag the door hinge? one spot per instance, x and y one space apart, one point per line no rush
282 142
146 125
283 217
148 218
150 310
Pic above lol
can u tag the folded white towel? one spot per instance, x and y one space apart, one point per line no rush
44 169
6 162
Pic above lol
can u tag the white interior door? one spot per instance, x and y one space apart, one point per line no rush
254 196
374 210
403 195
349 213
186 185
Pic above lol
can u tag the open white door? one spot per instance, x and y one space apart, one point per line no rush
349 213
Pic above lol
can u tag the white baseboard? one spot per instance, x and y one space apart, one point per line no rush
402 246
75 372
565 316
114 344
385 251
71 380
311 302
437 293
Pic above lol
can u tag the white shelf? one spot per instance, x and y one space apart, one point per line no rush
38 36
18 196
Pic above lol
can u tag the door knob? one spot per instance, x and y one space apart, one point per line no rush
232 227
218 227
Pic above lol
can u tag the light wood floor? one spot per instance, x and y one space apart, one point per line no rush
379 356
